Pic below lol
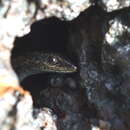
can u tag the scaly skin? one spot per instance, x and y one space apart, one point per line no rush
38 62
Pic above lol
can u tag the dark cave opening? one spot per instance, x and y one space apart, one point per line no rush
49 35
50 89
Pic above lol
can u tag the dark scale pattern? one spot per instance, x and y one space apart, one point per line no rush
36 62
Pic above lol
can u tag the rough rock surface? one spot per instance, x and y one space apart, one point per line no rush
102 51
98 41
15 116
111 5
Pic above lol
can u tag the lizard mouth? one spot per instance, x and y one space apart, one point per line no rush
69 68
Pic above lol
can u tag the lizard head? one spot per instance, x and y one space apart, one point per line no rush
56 63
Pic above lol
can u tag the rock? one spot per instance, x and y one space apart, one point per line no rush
111 5
98 42
15 116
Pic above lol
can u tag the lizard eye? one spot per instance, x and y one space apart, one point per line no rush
54 60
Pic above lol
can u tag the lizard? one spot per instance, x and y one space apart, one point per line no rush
37 62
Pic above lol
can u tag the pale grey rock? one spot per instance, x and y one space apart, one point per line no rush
118 38
111 5
16 112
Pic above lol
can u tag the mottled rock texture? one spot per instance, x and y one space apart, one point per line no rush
95 36
111 5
